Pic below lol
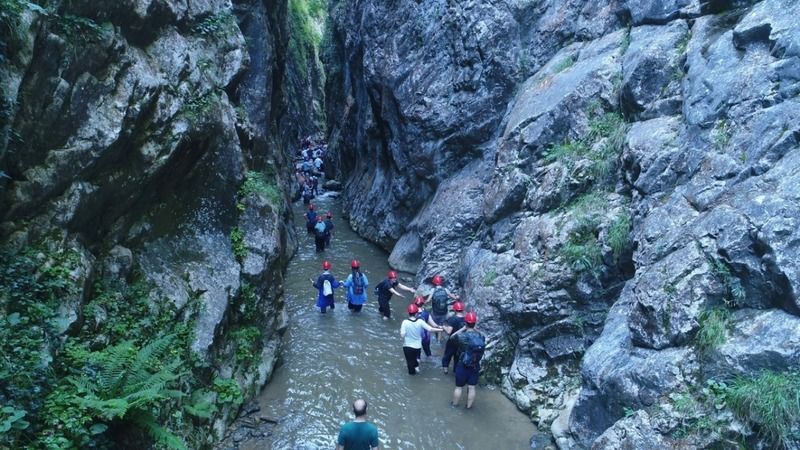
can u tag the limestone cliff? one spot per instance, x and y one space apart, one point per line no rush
150 139
612 185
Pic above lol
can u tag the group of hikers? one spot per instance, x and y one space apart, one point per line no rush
439 316
445 321
309 168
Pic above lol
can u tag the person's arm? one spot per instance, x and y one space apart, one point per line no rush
459 331
453 296
428 298
406 288
393 291
430 328
403 329
348 281
314 283
431 322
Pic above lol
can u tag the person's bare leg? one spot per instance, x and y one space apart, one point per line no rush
456 396
470 396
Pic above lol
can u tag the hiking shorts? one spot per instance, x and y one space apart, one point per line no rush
466 375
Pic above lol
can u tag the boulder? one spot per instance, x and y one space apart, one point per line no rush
633 433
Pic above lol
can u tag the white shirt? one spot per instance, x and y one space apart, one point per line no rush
412 332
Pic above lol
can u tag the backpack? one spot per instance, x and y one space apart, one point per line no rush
439 301
358 284
473 352
319 229
327 289
311 216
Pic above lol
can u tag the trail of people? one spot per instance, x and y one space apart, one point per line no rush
329 360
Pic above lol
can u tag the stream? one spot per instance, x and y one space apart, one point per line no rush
330 359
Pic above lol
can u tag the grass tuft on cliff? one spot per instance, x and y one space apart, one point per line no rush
771 401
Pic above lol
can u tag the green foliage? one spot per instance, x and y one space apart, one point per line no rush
696 410
260 183
237 243
582 251
735 293
228 391
771 401
489 277
721 135
219 25
683 43
619 234
248 345
199 105
305 38
601 145
115 366
564 64
626 42
247 304
713 328
77 30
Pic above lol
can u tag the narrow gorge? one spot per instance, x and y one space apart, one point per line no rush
613 186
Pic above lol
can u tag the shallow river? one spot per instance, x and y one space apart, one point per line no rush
330 359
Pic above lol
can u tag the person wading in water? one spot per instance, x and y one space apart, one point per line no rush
439 299
411 331
325 284
471 345
356 284
384 291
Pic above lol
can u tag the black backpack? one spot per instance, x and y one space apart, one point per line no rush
439 301
473 351
358 284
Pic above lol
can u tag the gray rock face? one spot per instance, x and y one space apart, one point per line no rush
497 120
135 131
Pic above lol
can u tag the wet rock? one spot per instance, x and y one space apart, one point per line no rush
758 341
634 432
407 253
652 70
332 185
762 24
655 162
657 11
118 264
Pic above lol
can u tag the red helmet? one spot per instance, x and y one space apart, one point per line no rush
355 264
471 318
437 280
419 300
392 274
310 206
458 306
326 265
412 309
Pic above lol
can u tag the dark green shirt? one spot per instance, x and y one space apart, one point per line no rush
358 436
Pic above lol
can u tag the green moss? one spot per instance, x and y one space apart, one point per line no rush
248 345
721 135
489 277
305 39
564 64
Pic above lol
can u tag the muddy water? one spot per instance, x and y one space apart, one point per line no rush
330 359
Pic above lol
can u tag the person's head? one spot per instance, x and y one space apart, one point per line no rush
412 309
419 301
360 407
311 207
326 265
437 280
458 307
319 219
392 275
471 319
355 265
329 215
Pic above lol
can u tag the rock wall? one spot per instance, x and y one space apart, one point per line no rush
153 138
598 180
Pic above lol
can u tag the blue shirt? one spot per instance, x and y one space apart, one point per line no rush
353 297
358 436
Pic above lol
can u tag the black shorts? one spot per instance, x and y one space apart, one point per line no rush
465 375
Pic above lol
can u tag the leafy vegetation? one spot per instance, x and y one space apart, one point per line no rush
601 145
489 277
219 25
237 243
582 250
305 37
199 105
258 183
770 401
713 328
735 293
721 135
247 341
619 234
113 371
